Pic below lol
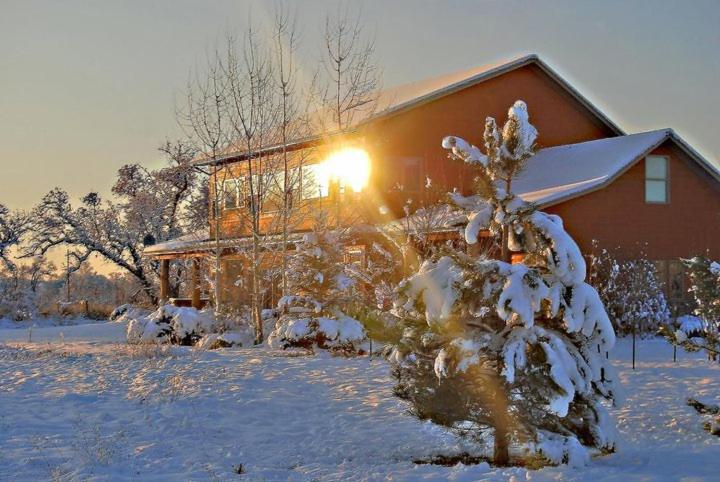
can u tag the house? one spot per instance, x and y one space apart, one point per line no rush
646 192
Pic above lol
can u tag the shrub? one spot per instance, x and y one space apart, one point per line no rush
629 289
169 324
305 325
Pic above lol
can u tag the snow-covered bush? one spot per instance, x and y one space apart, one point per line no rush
312 316
630 291
339 333
239 337
170 324
518 348
17 300
705 287
127 312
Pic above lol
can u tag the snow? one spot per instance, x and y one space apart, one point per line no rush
91 408
437 283
107 332
527 133
464 150
556 173
565 259
477 221
41 322
690 324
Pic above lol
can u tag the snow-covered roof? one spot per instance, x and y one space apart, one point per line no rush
560 173
179 244
398 99
200 241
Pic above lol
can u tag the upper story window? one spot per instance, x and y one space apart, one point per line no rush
252 191
656 179
315 182
412 174
231 193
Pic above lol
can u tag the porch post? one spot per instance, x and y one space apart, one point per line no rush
195 283
164 281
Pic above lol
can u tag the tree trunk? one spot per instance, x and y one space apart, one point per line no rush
256 301
505 249
501 422
195 283
633 348
491 392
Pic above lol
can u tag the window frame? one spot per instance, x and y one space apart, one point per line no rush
236 183
666 180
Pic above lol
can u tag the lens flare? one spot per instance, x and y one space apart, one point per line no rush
349 166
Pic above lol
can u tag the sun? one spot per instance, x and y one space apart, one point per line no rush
349 166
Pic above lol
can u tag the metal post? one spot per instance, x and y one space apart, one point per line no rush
633 349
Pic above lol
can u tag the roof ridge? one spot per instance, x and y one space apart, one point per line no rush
619 138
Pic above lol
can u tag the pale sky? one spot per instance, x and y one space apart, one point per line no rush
87 86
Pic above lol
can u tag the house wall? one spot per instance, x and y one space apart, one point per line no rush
405 148
416 134
619 218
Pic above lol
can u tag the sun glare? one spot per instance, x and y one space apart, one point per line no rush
350 166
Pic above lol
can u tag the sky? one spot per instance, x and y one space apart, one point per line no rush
87 86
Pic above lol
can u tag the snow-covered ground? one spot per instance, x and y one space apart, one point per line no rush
92 407
42 322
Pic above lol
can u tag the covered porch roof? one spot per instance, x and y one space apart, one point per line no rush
200 243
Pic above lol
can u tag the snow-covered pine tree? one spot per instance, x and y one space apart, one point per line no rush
520 349
319 282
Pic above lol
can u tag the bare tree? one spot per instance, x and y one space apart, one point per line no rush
286 44
204 116
252 110
353 78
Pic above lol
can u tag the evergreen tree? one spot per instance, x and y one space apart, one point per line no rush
319 279
518 348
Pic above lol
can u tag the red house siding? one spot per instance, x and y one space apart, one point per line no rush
618 216
417 133
415 136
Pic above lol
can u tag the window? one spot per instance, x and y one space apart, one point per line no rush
412 174
314 182
656 179
355 255
256 190
230 190
676 280
272 191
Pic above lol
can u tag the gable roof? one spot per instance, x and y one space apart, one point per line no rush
399 99
557 174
